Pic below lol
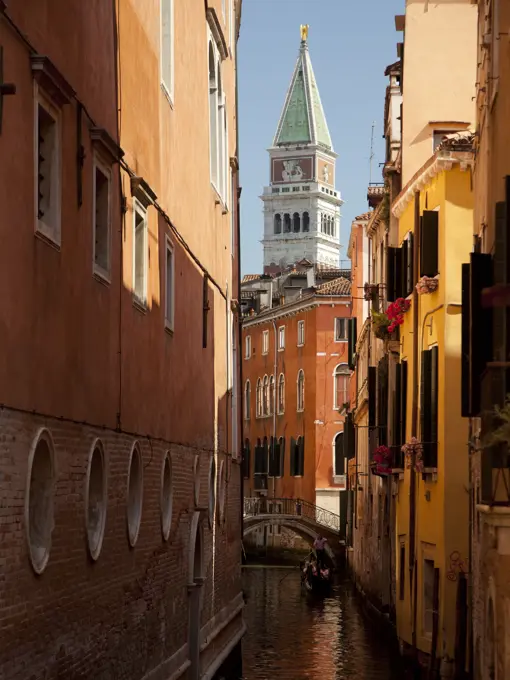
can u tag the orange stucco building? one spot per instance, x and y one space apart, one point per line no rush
123 478
295 383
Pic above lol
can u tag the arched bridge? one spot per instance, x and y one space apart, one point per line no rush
304 518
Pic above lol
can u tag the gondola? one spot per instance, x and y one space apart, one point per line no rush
315 579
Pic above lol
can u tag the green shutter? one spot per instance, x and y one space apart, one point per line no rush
425 404
372 392
434 401
351 342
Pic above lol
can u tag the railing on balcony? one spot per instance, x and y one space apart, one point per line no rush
294 508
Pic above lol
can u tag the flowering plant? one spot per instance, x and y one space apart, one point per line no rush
413 448
426 285
381 460
395 313
380 324
370 291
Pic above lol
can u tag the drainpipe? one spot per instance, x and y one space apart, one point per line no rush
275 395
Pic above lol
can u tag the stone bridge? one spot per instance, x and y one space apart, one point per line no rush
304 518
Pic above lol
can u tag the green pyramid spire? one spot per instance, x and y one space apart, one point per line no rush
303 120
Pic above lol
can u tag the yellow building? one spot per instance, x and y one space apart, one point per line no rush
435 212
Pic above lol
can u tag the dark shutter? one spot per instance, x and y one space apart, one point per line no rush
429 239
393 274
292 457
372 392
403 264
465 344
281 457
403 404
382 401
339 454
425 404
409 265
301 456
481 328
274 458
434 399
397 410
349 440
351 342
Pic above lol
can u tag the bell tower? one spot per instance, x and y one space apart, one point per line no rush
301 203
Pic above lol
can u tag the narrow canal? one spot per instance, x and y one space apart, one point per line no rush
292 636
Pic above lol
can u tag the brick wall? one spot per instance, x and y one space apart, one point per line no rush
125 614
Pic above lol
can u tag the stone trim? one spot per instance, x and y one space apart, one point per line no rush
51 80
217 33
106 145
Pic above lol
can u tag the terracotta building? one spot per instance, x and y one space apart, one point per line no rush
121 518
295 390
486 347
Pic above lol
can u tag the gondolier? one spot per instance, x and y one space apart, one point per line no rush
320 546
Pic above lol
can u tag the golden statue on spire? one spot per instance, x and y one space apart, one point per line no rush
304 32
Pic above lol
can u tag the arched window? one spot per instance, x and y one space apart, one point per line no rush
259 399
281 393
322 222
271 395
265 396
306 221
277 223
301 390
296 223
330 226
341 377
338 454
333 228
286 223
213 113
247 400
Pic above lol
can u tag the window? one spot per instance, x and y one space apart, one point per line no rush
428 596
281 338
169 286
247 400
166 497
101 212
306 221
39 501
339 458
213 113
402 571
265 396
340 330
301 333
259 399
281 393
247 347
429 242
261 461
429 405
341 377
301 390
271 395
139 253
47 169
277 223
296 222
167 47
134 494
297 457
212 490
286 223
265 342
281 461
96 500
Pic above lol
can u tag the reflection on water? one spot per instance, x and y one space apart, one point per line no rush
293 636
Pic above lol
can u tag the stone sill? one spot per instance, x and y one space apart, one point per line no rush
498 515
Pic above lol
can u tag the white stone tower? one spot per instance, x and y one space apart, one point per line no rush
301 204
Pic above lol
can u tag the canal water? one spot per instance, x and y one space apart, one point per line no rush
294 636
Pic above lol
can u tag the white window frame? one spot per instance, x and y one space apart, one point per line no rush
300 407
52 234
104 274
337 373
344 320
300 333
247 400
281 338
265 342
138 207
281 410
168 88
169 322
247 347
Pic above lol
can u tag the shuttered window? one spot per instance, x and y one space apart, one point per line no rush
429 243
382 401
349 437
403 407
393 274
372 394
465 344
297 457
246 459
352 336
260 459
339 454
428 406
408 265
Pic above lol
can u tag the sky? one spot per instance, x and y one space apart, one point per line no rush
350 44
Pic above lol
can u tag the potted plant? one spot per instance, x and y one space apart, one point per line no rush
371 291
380 324
501 433
427 285
381 460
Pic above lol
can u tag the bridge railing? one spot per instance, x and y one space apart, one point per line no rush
292 507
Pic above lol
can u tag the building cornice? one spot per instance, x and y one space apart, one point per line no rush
442 161
292 308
